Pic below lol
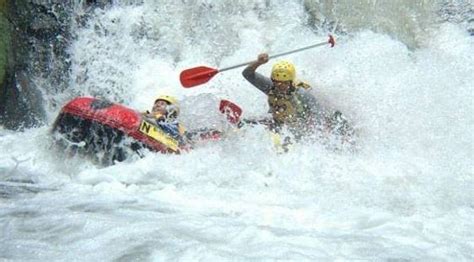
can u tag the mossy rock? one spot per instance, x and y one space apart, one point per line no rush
5 41
4 50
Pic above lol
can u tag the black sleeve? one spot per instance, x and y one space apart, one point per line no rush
260 81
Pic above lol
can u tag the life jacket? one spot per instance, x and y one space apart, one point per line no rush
287 108
169 124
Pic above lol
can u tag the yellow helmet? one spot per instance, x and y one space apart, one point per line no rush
283 71
172 101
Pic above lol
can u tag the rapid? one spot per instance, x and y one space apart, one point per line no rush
401 74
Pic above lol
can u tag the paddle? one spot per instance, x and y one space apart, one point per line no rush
233 112
201 74
230 110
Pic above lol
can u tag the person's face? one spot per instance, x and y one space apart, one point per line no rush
159 106
282 86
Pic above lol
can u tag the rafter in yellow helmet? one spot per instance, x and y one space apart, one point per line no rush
283 71
169 99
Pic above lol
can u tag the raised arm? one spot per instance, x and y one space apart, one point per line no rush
258 80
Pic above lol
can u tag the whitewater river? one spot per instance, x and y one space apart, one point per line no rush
405 194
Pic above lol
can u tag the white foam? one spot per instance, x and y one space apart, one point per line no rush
406 194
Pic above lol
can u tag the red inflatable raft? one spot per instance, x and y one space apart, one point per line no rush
93 125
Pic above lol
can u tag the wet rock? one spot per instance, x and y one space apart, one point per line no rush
34 62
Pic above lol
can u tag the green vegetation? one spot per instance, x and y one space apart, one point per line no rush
4 40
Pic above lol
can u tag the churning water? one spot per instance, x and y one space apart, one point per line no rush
402 73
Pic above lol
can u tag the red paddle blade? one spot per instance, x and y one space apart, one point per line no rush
196 76
230 110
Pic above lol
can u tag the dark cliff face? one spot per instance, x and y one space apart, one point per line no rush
33 56
36 43
6 58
